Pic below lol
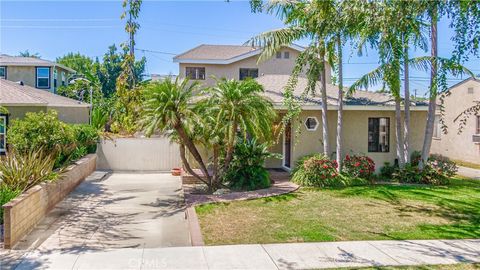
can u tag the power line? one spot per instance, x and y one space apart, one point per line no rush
153 51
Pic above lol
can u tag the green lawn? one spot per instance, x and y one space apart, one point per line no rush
354 213
421 267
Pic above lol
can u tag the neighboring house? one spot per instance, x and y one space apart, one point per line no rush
19 99
464 145
34 72
161 77
369 117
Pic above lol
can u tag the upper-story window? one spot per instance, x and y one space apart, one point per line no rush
63 79
379 134
55 76
437 127
195 73
286 55
3 72
248 73
43 77
470 90
279 55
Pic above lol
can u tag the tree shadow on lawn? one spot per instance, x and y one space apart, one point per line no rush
458 203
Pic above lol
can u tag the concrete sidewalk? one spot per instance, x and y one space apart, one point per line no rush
269 256
469 172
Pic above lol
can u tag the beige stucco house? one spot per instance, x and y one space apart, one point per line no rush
368 118
19 99
465 145
34 72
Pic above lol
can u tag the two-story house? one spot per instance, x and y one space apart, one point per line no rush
462 145
28 85
368 125
34 72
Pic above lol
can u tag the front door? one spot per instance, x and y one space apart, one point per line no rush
287 146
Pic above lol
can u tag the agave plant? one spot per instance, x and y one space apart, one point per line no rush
23 170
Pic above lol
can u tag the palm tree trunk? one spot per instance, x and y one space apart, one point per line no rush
230 145
326 144
406 135
340 106
432 106
398 132
194 151
187 166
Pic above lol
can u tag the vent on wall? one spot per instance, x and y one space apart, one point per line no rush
470 90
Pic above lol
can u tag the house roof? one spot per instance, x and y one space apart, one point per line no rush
464 81
220 54
14 94
7 60
274 86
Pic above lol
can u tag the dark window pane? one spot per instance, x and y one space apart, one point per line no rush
195 73
42 82
2 72
248 73
279 55
286 55
379 134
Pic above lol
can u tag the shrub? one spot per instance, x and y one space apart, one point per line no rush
246 169
387 171
443 164
359 166
6 194
412 174
23 170
86 137
316 170
43 130
415 158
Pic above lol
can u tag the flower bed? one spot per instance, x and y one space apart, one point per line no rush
24 212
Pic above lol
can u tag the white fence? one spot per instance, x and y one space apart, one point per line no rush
137 154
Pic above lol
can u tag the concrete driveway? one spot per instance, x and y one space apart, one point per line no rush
121 210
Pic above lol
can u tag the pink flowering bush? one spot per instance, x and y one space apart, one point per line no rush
317 171
359 166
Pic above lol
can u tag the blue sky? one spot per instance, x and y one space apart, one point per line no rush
54 28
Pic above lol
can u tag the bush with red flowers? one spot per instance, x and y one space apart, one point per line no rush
359 166
317 171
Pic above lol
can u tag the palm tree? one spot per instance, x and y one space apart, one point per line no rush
313 20
238 108
213 118
168 108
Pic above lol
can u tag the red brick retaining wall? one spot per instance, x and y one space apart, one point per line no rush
23 213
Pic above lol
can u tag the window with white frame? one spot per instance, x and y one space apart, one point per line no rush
379 134
248 73
478 125
3 133
311 123
3 72
437 127
195 73
43 77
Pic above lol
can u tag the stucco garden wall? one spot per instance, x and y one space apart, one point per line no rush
23 213
137 154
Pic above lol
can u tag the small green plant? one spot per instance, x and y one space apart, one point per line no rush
23 170
415 158
99 118
413 175
360 166
6 194
246 171
387 171
316 170
86 137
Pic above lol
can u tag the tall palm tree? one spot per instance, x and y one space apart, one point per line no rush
168 108
313 20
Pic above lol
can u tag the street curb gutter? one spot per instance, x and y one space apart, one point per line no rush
194 227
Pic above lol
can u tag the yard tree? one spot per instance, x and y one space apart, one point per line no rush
465 20
212 118
316 22
82 64
26 53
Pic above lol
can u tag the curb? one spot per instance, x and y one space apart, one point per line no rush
194 227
